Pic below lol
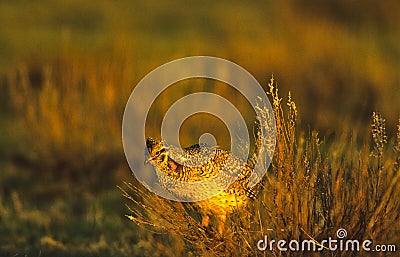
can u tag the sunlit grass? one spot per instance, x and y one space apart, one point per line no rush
68 115
67 124
308 194
67 69
347 67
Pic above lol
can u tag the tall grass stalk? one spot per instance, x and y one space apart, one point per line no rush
311 190
67 115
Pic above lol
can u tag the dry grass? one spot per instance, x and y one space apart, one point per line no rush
72 109
310 191
67 115
66 70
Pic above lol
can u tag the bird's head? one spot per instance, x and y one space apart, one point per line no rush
156 151
157 155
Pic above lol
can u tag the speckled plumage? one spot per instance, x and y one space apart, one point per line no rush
189 165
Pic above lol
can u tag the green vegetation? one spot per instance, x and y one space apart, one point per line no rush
66 72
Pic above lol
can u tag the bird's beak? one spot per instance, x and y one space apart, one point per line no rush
147 157
147 160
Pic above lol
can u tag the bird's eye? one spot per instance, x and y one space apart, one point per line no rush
160 151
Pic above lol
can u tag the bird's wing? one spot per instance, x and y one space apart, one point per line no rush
195 155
